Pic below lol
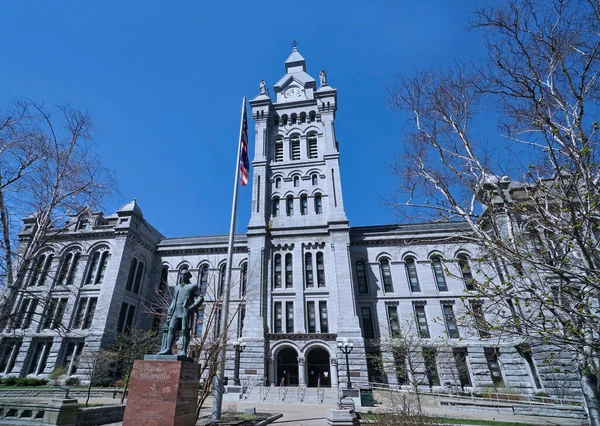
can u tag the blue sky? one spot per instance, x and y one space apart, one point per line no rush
164 83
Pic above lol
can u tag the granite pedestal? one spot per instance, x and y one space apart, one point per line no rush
163 392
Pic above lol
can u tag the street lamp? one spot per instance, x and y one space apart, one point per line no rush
239 347
346 347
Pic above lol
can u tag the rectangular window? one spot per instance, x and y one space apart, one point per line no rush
460 359
422 325
120 322
361 277
465 269
323 317
386 275
89 313
130 317
450 320
278 317
491 355
429 356
9 349
312 321
525 352
39 356
72 355
289 276
54 313
242 318
304 205
28 309
279 150
400 365
367 322
394 321
289 317
289 206
481 325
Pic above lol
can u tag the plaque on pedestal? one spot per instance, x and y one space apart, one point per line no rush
163 392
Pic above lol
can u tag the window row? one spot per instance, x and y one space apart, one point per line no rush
410 267
285 324
53 314
204 277
67 270
295 118
279 273
295 151
289 205
421 322
314 179
38 354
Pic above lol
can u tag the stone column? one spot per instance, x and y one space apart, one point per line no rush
301 371
333 367
271 375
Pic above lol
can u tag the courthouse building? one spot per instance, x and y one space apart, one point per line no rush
304 280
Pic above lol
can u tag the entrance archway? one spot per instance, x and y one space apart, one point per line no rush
287 367
317 367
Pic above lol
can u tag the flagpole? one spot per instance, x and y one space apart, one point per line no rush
220 375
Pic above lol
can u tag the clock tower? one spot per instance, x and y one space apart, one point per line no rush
299 284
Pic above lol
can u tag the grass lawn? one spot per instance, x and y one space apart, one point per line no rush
450 421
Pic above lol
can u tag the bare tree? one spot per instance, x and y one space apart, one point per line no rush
47 172
96 365
537 231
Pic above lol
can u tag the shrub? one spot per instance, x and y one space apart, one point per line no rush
105 382
72 381
24 381
56 374
10 381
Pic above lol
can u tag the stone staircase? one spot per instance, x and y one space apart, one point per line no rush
290 395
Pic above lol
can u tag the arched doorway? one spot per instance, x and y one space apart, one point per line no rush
287 367
317 367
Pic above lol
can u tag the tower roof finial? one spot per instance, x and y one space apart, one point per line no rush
295 45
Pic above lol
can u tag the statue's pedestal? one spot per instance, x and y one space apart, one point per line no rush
163 392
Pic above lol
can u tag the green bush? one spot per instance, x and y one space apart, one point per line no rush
72 381
24 381
105 382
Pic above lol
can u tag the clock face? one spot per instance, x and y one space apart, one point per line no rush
293 92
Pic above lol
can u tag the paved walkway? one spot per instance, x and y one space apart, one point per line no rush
316 415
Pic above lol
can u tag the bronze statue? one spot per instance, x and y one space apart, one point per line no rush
185 302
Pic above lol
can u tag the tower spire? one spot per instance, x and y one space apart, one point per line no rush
295 45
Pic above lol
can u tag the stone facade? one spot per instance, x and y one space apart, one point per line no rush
303 279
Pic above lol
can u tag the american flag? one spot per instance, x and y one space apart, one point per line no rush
244 163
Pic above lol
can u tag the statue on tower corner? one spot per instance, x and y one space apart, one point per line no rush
323 78
185 302
262 88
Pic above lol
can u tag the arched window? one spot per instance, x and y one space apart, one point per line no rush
303 205
411 274
294 118
131 276
320 270
203 278
438 273
139 274
465 269
308 270
361 277
296 181
284 119
221 279
97 267
315 179
277 271
289 205
68 269
279 149
318 204
278 183
302 117
311 116
244 279
41 269
313 151
386 275
295 147
275 206
289 278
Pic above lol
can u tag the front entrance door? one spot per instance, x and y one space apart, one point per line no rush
317 367
287 367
